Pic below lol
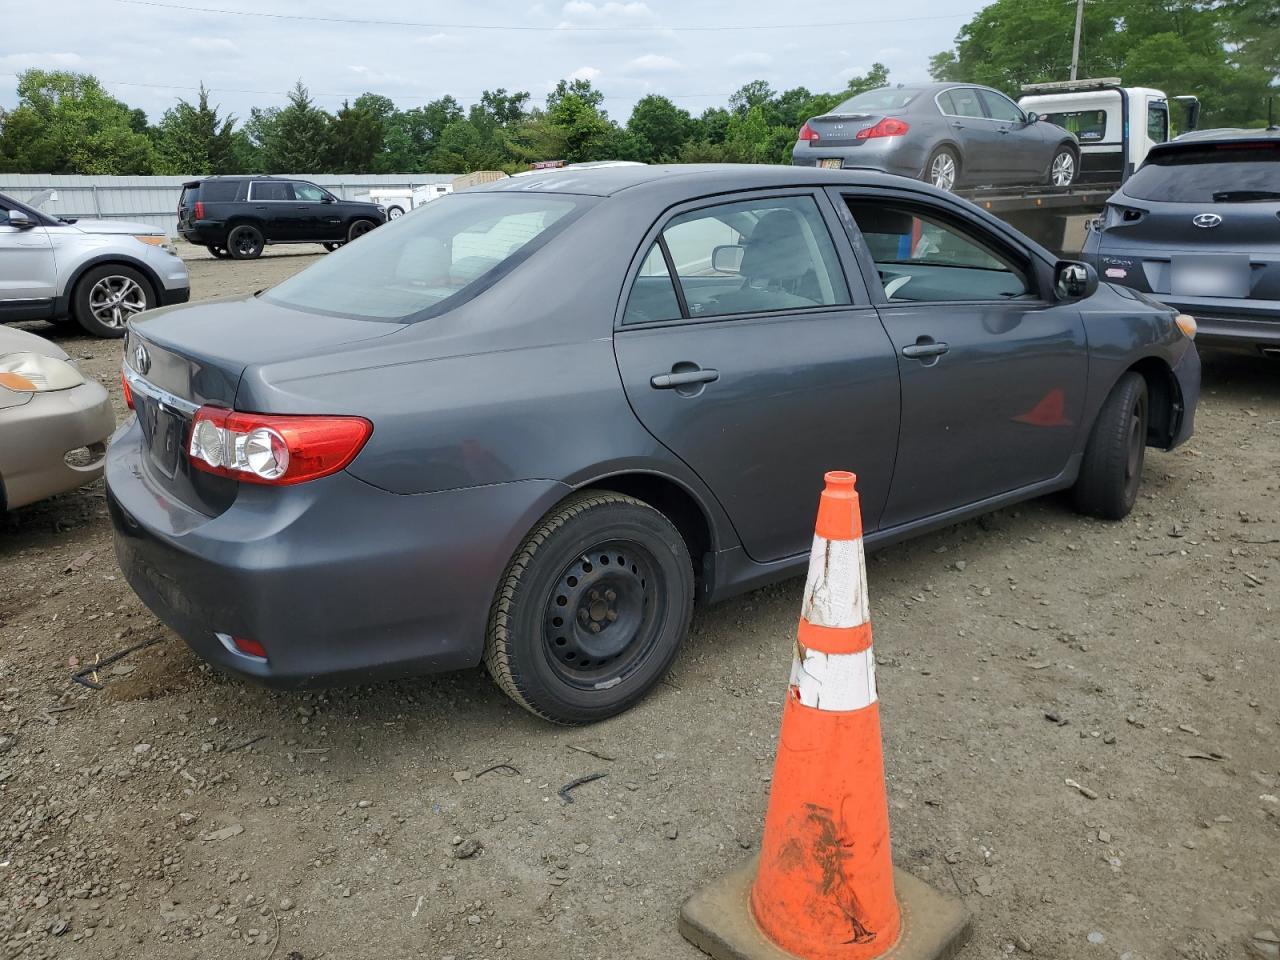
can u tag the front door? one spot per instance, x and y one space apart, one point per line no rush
28 274
993 369
311 213
762 367
974 131
1022 154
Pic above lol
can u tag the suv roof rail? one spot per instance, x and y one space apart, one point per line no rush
1071 86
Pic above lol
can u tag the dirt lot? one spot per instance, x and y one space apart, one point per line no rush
179 813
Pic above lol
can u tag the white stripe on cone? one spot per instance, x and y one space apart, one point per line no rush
835 593
834 681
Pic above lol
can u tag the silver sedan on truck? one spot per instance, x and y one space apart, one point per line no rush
947 134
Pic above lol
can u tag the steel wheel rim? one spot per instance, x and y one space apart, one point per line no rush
245 243
942 172
395 214
1064 170
113 300
603 615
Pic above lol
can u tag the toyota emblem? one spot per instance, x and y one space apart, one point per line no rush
142 359
1206 220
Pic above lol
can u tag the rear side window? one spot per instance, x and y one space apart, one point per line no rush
653 295
963 102
1089 126
421 265
270 190
216 191
1212 173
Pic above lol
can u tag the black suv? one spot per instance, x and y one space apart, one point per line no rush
237 216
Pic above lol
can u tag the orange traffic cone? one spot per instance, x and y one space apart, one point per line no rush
824 887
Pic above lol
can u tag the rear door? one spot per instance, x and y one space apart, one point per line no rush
761 366
993 370
28 272
272 202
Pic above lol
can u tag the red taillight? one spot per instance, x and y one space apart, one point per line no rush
252 647
128 391
199 209
274 449
888 127
808 133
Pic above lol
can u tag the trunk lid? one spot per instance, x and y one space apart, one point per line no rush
841 129
181 358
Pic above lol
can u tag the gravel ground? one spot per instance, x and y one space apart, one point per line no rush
180 813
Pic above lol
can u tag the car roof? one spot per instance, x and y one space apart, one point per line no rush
697 179
1230 135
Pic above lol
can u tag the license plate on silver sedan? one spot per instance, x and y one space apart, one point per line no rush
1197 275
832 164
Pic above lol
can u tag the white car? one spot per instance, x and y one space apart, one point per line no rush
97 273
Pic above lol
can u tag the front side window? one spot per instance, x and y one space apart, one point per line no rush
922 257
1001 107
309 192
421 265
963 102
1158 123
270 190
756 256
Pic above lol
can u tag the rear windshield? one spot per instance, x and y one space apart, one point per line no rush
1213 173
421 265
878 101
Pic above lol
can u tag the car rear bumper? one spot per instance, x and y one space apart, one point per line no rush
1237 330
37 436
339 580
897 155
204 232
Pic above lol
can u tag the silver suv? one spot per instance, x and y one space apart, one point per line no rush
97 273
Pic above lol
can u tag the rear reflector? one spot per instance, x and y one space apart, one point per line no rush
126 389
808 133
274 449
888 127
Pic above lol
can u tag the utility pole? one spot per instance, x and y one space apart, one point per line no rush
1075 47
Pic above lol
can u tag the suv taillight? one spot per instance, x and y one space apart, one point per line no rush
808 133
199 209
888 127
274 449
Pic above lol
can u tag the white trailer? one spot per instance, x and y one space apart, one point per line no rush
398 201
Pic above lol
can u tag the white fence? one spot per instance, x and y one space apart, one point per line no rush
154 200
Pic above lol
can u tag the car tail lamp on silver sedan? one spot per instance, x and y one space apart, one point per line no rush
888 127
274 449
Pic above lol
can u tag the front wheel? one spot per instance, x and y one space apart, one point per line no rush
1062 169
395 213
943 169
359 229
107 297
1111 471
591 610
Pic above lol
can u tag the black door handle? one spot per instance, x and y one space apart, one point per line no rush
673 381
924 348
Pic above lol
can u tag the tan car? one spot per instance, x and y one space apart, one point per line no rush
54 423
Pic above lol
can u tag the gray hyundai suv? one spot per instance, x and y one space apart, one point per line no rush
97 273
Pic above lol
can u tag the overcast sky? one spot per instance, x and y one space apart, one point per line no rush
146 51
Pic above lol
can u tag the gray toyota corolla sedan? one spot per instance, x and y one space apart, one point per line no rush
947 134
533 423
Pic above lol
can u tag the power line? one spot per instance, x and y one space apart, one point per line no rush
628 28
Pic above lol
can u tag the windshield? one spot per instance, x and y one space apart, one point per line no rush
878 101
1213 173
426 262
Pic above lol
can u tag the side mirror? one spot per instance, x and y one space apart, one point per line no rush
19 219
1033 117
727 258
1075 280
328 198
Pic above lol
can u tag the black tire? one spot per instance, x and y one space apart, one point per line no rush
623 622
395 212
108 296
219 253
939 157
245 242
1070 160
1111 472
330 247
358 229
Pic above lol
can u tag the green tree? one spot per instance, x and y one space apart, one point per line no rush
191 139
659 127
293 138
580 88
356 136
66 123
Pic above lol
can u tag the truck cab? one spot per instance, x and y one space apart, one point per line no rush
1116 125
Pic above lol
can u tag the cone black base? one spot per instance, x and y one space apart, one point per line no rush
718 921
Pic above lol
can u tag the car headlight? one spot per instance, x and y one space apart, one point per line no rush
36 373
156 240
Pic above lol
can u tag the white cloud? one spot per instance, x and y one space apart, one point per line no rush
439 40
17 62
212 44
586 73
849 73
751 58
652 63
584 13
